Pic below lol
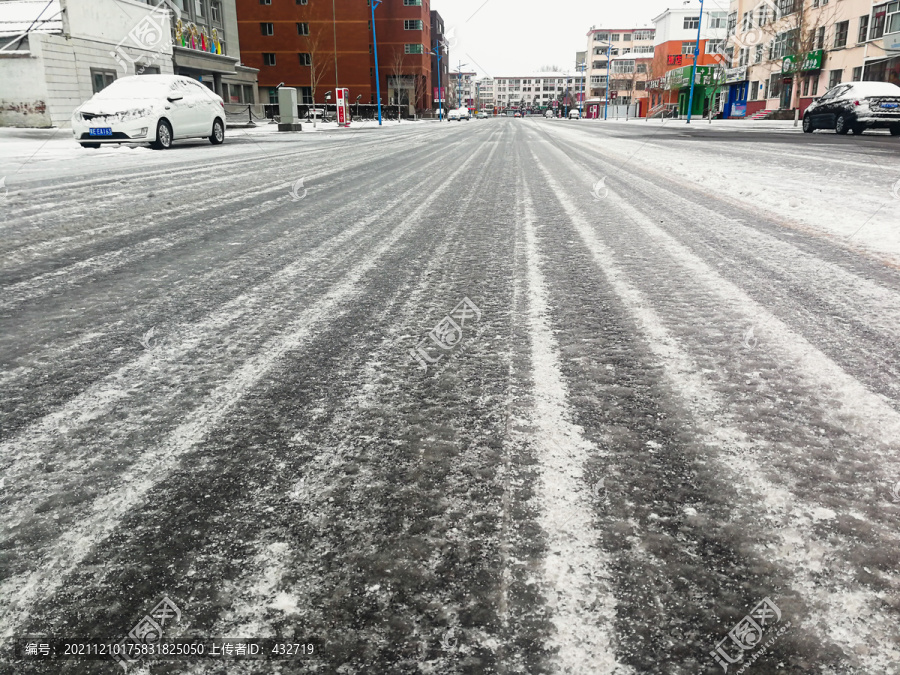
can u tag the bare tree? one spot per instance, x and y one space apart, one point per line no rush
396 71
784 31
422 94
317 63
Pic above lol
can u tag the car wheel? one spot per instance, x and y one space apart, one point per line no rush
895 130
807 125
218 133
842 125
163 136
92 146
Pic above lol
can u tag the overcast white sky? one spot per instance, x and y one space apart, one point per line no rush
511 37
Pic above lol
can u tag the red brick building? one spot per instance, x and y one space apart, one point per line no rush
293 41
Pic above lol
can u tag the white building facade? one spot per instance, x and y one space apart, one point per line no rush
55 55
537 91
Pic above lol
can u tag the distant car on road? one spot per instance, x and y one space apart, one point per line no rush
481 116
856 106
549 114
517 114
154 109
453 115
574 115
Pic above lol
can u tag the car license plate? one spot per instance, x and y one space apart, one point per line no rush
890 105
101 131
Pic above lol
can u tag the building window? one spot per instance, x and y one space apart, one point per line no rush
715 46
412 3
718 19
818 40
101 79
304 95
785 7
863 28
305 59
413 49
265 2
199 8
273 95
885 19
834 78
614 37
302 2
412 24
215 11
732 23
775 82
754 90
268 59
626 37
857 73
840 34
267 28
758 54
813 79
302 29
691 22
688 47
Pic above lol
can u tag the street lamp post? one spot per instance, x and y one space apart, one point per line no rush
374 4
694 69
582 68
438 53
459 84
608 57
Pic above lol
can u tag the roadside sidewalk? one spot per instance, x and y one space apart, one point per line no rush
717 125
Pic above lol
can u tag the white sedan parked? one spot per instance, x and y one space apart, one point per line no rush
154 109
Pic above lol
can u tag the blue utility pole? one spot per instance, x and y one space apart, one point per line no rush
374 4
437 52
694 69
608 57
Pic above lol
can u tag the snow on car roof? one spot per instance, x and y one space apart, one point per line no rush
875 89
20 16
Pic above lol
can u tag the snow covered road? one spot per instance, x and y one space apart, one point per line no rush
505 396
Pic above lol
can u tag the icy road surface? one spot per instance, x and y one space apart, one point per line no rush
505 396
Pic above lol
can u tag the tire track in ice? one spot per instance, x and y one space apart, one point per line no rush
865 305
831 618
260 589
22 591
20 455
576 570
28 289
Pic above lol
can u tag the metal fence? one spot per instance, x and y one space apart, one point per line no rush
243 114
